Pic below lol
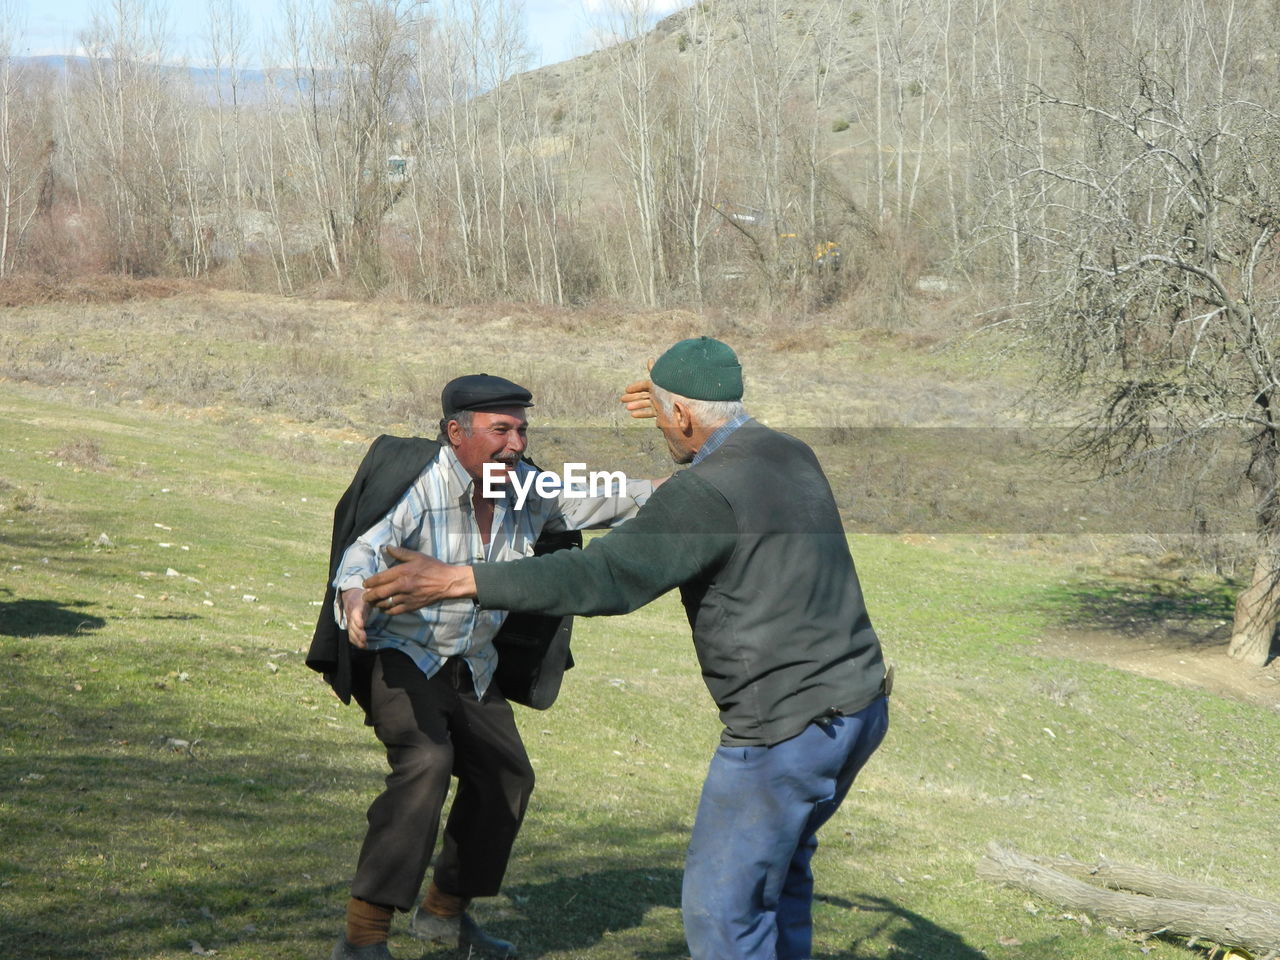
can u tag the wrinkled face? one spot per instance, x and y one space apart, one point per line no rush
497 436
677 441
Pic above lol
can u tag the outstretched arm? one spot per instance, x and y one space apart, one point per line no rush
684 532
416 581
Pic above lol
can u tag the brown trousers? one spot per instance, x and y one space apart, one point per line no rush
435 728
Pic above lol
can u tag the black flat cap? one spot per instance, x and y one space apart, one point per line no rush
480 391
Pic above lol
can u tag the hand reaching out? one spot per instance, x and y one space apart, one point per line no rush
416 581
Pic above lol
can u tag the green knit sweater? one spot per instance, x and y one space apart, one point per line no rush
752 537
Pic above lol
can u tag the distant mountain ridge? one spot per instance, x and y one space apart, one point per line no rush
251 86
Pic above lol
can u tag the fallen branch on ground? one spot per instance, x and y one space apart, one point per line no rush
1136 879
1184 909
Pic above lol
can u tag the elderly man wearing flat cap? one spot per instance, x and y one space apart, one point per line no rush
425 677
751 535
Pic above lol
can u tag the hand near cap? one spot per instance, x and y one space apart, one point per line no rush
637 398
416 581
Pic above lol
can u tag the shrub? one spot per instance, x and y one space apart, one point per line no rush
83 452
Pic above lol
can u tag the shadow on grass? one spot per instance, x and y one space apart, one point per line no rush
46 618
914 937
120 845
251 908
1186 614
576 912
96 884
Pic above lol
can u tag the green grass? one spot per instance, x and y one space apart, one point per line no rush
116 845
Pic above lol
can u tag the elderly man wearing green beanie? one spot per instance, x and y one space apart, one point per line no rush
751 535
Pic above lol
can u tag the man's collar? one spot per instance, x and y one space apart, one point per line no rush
456 476
718 436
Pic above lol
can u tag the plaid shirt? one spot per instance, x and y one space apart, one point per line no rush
436 517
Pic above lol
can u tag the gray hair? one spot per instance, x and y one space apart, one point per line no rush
464 418
708 413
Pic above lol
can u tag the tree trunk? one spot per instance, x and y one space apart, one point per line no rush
1257 612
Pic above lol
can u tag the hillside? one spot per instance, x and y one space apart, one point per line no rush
174 781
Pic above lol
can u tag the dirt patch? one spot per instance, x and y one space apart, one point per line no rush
1175 656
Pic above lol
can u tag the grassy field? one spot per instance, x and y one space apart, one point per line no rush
174 781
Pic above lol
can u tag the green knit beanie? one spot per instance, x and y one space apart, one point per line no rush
700 369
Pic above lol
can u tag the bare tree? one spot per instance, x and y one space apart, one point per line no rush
375 41
130 118
772 66
352 69
635 89
802 74
26 145
227 41
909 41
702 64
1159 272
551 187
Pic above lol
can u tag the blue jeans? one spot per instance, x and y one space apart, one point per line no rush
748 887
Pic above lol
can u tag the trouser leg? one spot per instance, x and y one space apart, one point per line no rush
795 903
738 848
495 780
747 887
410 715
862 734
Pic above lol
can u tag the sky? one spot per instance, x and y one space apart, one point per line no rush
556 29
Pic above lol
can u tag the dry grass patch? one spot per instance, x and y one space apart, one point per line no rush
83 452
379 366
21 291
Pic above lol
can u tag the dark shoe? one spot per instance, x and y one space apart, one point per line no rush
461 932
342 950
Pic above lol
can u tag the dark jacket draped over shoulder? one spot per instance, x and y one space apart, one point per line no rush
388 468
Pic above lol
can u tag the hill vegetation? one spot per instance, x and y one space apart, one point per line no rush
797 156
